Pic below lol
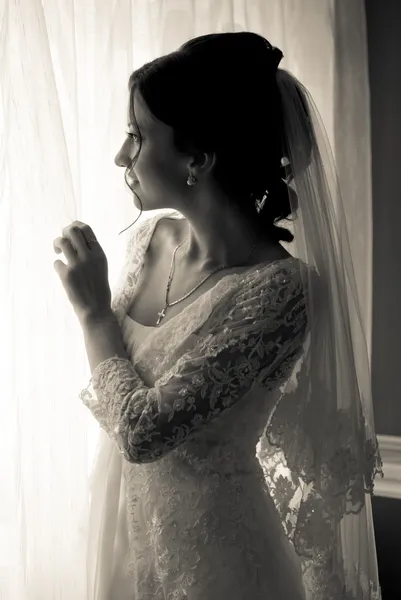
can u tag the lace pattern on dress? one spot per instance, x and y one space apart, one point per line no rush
257 332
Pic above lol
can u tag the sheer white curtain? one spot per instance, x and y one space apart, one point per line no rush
64 68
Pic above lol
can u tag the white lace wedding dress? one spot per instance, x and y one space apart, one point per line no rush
180 507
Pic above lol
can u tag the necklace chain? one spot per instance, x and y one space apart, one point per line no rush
162 313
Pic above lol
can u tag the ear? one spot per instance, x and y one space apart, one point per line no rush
202 162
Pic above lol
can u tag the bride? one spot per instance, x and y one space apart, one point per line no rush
237 451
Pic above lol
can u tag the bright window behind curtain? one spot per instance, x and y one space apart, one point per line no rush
64 68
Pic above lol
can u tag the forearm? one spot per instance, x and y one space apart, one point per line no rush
103 339
117 392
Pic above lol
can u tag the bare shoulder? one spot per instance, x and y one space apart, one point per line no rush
170 231
165 237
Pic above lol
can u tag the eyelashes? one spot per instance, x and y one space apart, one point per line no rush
131 135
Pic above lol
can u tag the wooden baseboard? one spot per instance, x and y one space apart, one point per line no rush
390 450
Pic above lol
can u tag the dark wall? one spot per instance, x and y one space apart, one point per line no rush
387 520
384 38
384 41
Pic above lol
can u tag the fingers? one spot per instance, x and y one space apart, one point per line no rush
76 227
63 244
74 240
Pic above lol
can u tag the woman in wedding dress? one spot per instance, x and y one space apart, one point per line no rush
205 484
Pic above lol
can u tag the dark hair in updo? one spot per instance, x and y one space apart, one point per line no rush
219 94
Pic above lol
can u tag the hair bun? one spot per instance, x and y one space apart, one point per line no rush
275 55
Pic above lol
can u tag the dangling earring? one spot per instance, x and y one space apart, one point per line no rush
191 180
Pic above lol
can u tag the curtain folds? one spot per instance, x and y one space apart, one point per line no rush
64 68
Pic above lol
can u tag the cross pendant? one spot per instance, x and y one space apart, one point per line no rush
161 315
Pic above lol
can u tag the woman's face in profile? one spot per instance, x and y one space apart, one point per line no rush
160 172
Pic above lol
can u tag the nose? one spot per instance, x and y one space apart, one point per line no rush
121 159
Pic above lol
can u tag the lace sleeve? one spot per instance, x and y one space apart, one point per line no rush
257 339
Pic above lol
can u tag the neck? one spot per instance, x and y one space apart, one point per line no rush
208 242
223 253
